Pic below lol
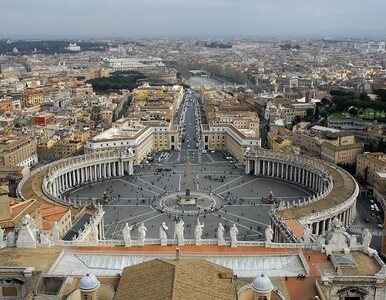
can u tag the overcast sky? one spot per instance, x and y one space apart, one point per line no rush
191 18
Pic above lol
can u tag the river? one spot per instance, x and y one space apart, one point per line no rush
197 81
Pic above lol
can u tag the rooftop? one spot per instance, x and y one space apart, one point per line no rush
176 279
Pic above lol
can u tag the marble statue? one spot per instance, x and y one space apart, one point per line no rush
163 234
198 232
1 235
2 243
366 238
233 233
142 234
55 232
95 233
179 231
337 239
220 235
307 235
27 235
44 240
11 239
126 235
268 234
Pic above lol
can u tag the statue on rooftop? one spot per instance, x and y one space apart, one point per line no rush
233 233
11 238
95 233
366 238
268 234
179 232
198 232
126 235
307 235
220 235
163 235
2 242
142 234
1 235
55 232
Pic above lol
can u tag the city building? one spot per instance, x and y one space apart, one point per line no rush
6 105
373 47
332 145
44 119
347 123
31 98
144 140
368 164
155 103
18 151
227 138
279 139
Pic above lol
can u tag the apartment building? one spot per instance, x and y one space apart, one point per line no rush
18 151
368 164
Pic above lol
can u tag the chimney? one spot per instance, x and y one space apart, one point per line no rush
177 254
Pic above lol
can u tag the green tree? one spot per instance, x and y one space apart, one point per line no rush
309 112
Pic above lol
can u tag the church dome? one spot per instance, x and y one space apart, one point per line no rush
88 282
262 284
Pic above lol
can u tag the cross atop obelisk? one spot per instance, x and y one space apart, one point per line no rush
187 179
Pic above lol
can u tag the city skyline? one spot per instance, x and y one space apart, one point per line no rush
177 18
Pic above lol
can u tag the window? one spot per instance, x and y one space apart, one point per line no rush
262 298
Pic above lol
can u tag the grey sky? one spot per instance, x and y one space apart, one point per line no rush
154 18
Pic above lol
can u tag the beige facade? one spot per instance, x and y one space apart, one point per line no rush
32 98
341 154
144 140
308 143
227 138
380 182
18 151
370 163
155 103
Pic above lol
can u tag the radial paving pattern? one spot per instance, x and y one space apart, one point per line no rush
234 196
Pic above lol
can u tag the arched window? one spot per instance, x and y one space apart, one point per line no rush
262 298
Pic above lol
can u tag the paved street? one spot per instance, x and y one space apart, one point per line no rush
368 219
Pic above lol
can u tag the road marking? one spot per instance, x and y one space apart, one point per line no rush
239 185
127 219
210 157
140 187
230 221
250 220
150 184
227 183
179 183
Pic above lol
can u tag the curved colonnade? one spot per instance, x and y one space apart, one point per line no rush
65 174
335 191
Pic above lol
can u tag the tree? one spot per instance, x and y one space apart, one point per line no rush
353 111
309 112
326 101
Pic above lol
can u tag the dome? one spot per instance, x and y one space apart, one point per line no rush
262 284
88 282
